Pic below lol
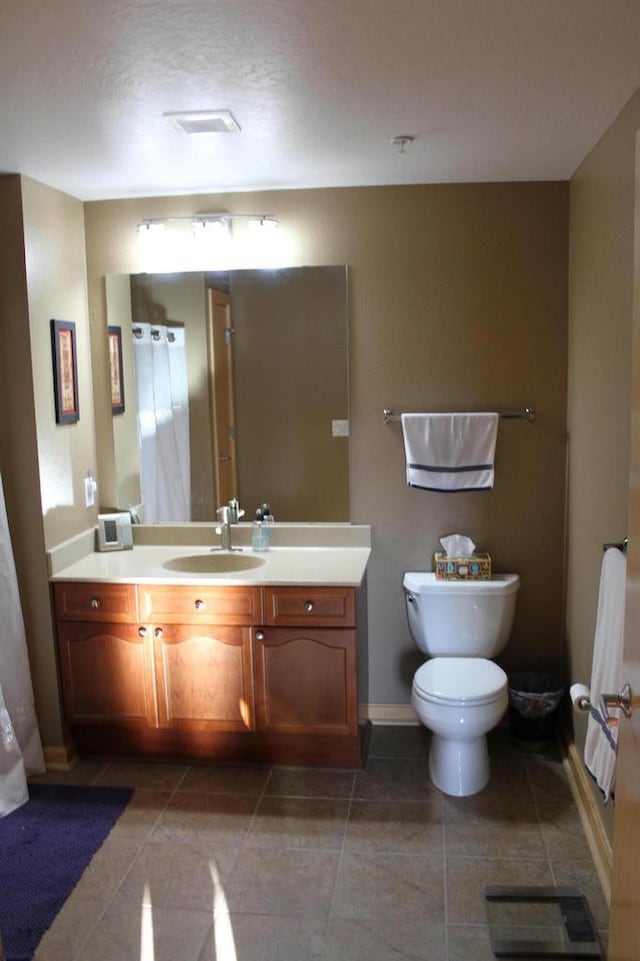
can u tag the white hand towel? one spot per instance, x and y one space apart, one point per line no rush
606 673
450 452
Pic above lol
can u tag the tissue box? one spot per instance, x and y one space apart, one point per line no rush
474 568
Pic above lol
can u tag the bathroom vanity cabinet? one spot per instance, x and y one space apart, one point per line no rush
305 662
190 671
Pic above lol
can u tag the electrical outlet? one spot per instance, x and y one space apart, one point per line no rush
90 488
339 428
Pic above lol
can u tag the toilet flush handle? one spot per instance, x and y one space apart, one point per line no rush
410 597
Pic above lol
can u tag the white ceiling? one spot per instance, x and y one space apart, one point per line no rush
491 89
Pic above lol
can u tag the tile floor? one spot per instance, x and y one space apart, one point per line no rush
214 863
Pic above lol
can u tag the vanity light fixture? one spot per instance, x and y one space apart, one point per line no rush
264 223
211 227
151 227
152 240
193 122
200 221
211 238
191 241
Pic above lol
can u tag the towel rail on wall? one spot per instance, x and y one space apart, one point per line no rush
528 413
621 545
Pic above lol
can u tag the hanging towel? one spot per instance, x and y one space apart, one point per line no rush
450 452
601 743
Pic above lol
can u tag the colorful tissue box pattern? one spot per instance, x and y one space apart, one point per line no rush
474 568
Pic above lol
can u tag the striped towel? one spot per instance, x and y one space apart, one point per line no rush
450 452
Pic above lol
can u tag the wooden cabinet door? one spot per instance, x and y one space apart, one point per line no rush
107 673
204 677
306 680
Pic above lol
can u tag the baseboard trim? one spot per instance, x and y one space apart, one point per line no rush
391 714
60 758
592 823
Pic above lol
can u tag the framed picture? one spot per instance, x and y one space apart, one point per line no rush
65 371
116 378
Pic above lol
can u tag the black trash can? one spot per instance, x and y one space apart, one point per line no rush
534 701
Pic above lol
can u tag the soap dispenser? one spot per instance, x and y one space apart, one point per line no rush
260 533
264 513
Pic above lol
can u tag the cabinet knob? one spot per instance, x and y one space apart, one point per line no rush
158 632
142 632
95 603
308 606
259 635
199 605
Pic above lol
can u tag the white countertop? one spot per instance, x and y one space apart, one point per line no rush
322 566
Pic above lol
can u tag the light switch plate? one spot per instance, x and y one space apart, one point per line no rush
339 428
89 491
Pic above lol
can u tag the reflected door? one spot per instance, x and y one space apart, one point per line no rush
222 395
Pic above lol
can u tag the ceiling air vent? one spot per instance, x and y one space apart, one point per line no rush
204 121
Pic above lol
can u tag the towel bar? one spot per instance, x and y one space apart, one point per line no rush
621 545
528 413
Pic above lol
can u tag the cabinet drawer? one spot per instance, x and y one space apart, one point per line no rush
207 605
81 601
321 606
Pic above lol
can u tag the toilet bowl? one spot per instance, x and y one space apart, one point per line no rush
459 693
459 700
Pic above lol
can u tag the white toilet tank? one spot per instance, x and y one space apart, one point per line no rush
460 618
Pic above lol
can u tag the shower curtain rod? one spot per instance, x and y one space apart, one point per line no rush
528 413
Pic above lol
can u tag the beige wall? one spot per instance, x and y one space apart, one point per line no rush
56 288
42 463
458 300
599 383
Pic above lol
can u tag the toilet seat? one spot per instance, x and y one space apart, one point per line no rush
459 680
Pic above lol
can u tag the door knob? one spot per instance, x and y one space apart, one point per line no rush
623 700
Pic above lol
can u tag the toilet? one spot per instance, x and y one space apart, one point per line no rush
459 693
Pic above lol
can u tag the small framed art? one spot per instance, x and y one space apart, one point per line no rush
65 371
116 377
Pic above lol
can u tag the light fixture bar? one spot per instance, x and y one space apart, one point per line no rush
207 218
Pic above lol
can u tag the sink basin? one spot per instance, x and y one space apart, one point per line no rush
214 563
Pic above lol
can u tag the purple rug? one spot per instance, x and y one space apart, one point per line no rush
44 847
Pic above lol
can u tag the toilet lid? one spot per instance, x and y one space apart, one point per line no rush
458 679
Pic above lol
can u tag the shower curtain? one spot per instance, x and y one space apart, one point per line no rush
20 747
163 422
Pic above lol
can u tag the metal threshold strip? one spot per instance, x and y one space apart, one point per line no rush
581 940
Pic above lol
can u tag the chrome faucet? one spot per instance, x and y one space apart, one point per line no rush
235 511
224 529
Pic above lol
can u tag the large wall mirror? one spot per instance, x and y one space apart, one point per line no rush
235 383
